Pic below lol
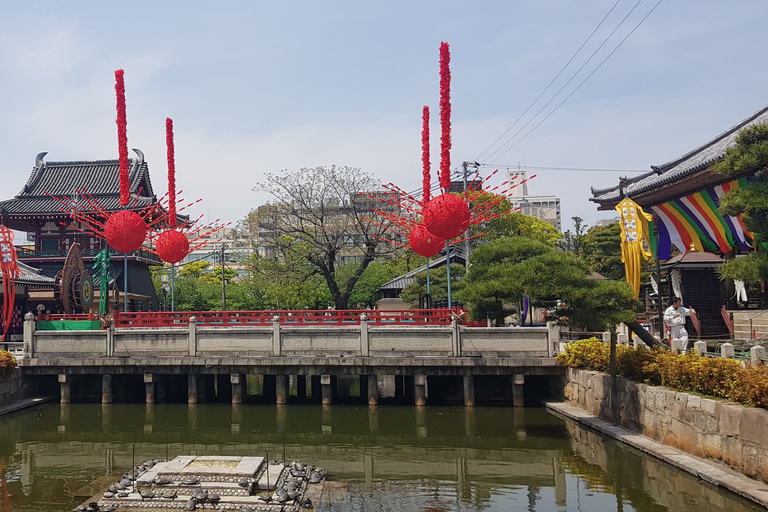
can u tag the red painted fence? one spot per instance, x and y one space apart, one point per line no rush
298 318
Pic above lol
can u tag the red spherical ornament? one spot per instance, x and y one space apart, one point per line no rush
125 231
172 246
446 216
425 243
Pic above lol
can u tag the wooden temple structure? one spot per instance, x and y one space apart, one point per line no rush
35 211
692 237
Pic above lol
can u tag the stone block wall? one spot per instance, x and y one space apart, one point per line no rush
13 387
714 429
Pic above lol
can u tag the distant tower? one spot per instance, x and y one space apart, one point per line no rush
515 177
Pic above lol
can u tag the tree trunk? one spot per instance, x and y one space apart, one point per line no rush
644 335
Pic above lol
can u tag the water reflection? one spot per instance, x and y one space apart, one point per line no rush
391 458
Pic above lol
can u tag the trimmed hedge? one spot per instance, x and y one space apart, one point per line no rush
715 377
7 362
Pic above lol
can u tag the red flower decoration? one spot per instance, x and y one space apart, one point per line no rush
122 138
171 172
445 116
425 243
446 216
172 246
425 174
125 231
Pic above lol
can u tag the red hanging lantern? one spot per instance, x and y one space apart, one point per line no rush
172 246
125 231
446 216
425 243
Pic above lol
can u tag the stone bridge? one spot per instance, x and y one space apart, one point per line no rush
211 358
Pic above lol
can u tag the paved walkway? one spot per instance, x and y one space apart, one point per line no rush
25 403
707 470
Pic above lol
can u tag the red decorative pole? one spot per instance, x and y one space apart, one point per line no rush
445 116
426 178
122 137
171 172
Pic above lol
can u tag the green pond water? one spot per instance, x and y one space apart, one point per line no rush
385 458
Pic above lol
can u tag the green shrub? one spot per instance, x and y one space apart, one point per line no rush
716 377
7 362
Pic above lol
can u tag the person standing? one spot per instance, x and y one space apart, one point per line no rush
674 319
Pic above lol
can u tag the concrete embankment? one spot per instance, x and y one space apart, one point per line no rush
16 393
723 443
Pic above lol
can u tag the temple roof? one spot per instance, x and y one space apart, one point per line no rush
689 166
400 282
100 178
694 259
31 277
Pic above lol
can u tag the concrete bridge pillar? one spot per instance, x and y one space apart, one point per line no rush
326 382
64 383
518 398
149 387
238 385
420 389
106 388
301 387
469 390
373 389
281 389
192 388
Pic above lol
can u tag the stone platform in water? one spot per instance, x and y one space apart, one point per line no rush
247 484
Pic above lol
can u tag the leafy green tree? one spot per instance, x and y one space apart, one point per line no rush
194 269
750 154
507 269
601 247
493 286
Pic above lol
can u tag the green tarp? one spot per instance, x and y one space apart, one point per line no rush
69 325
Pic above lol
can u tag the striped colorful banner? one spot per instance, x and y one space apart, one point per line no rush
695 221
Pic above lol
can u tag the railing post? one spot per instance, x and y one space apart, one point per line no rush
676 346
110 349
276 341
757 353
607 337
700 347
622 339
455 339
553 338
727 350
193 336
365 344
29 335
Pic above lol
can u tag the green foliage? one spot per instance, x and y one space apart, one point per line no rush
749 154
752 268
438 284
751 201
601 248
7 362
716 377
194 269
509 268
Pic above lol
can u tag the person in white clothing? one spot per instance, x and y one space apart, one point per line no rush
674 319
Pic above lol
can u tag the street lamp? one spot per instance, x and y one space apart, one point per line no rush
166 288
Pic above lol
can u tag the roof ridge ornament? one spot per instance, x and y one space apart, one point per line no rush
139 156
39 162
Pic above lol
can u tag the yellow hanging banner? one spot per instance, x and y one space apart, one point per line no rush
634 230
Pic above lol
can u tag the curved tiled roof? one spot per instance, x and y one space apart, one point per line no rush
31 276
690 163
99 178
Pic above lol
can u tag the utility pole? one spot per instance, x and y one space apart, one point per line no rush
465 165
223 282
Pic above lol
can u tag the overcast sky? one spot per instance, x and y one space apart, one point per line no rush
257 87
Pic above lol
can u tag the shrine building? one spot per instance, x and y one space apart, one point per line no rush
691 237
35 211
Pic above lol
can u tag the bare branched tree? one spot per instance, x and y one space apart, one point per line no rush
324 208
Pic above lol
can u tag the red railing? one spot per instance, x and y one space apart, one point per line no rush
288 318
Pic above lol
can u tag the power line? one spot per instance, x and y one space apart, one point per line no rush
551 82
569 80
588 169
583 81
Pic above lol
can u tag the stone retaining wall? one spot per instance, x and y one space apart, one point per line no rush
722 431
13 387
